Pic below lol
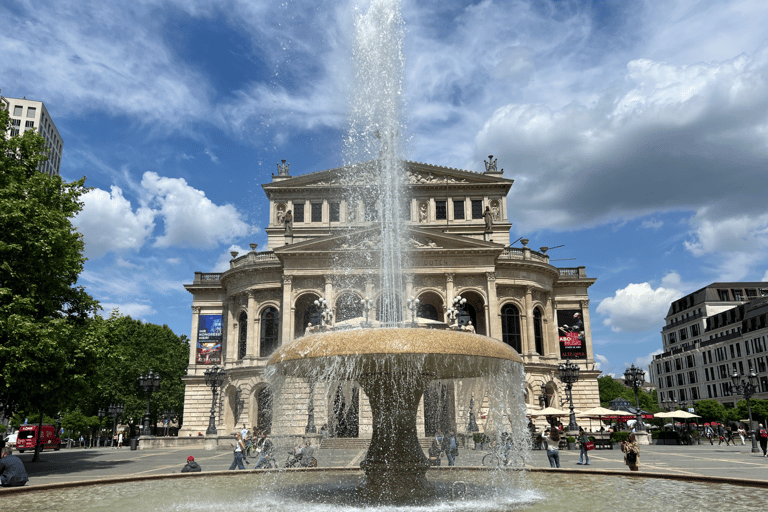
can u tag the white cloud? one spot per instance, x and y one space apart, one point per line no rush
191 219
652 224
600 361
173 261
108 223
637 307
222 264
643 362
133 309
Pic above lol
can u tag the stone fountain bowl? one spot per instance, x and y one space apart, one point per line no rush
442 354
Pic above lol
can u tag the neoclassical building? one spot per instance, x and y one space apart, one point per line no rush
267 298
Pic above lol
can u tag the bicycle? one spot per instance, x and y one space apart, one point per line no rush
294 461
269 462
500 457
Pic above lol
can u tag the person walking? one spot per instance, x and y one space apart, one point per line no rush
450 448
710 434
120 440
742 435
551 441
721 433
631 452
238 450
266 447
762 436
583 439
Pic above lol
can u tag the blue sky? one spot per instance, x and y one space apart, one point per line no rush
636 132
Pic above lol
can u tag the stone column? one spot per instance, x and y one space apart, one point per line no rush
556 333
530 344
493 322
231 346
448 295
193 334
250 348
286 334
408 286
587 329
328 296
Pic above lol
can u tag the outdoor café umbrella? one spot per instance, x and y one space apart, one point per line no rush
602 412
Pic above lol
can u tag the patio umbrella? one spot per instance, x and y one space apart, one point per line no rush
600 413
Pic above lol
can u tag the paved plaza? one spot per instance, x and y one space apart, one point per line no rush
79 465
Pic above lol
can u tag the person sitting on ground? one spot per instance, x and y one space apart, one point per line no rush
12 472
192 466
307 454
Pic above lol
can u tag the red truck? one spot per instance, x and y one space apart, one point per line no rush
27 438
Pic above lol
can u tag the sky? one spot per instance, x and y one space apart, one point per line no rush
636 133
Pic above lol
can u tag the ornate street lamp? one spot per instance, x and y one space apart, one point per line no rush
569 375
635 377
115 410
149 383
214 377
326 315
413 305
747 388
472 427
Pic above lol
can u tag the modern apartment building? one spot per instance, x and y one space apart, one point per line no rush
30 115
708 335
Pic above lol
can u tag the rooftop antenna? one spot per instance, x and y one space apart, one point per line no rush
513 243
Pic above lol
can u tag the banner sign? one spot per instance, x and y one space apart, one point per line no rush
570 327
209 340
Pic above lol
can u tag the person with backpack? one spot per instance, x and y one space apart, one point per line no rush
450 448
762 436
631 452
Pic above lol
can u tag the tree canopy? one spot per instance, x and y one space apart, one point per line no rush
45 347
610 389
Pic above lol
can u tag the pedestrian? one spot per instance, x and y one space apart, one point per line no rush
266 448
82 442
721 434
631 452
12 472
434 453
583 439
450 448
238 448
192 466
763 436
551 441
710 434
114 442
742 435
120 440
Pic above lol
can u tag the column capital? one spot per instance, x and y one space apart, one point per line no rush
449 276
287 279
490 276
409 278
196 310
584 304
330 278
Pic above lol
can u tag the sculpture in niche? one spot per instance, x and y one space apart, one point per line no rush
496 211
280 214
423 209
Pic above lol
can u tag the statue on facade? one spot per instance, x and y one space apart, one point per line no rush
490 164
288 222
488 216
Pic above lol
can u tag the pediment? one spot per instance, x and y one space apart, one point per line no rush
369 240
419 174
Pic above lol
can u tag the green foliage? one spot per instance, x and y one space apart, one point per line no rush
710 410
570 439
619 437
479 438
41 307
759 410
610 389
32 419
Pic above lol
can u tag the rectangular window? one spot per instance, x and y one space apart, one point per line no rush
690 362
733 352
694 393
31 112
661 382
477 209
680 379
667 367
672 337
333 211
30 124
298 212
692 377
722 294
678 364
658 368
371 213
737 294
741 367
714 391
317 212
738 350
709 391
14 132
440 213
458 209
751 293
669 381
18 110
695 330
761 365
683 334
15 122
723 371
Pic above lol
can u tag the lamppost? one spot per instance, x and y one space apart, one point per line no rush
635 377
115 410
413 305
472 427
149 383
569 374
101 415
214 377
325 312
669 405
367 305
747 388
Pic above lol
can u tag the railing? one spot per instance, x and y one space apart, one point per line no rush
512 253
682 321
207 277
254 257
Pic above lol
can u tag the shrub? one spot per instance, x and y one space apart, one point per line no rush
619 437
570 439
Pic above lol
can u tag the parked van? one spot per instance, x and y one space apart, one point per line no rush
27 438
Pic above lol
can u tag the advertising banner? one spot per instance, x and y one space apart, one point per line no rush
209 340
570 327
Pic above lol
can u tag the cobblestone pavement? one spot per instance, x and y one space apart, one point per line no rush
75 465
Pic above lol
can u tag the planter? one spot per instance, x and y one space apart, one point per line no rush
571 446
478 446
615 446
486 446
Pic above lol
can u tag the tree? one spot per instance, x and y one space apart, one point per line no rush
42 310
610 389
710 410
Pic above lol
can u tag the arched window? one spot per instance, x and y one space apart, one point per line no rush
348 306
538 332
242 339
428 312
269 331
510 327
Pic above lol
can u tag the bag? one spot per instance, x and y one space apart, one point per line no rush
589 445
763 433
631 458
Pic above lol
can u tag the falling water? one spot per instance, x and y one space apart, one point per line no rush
373 172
